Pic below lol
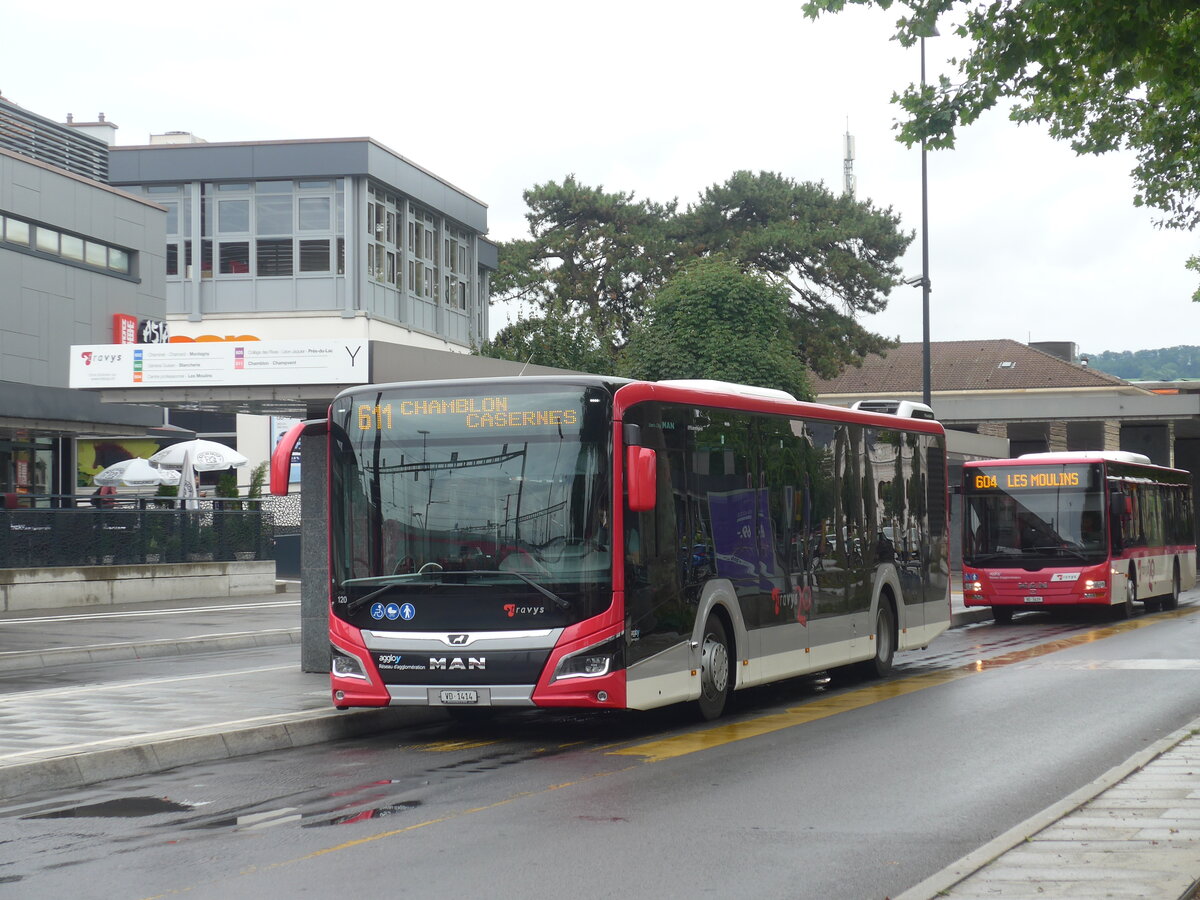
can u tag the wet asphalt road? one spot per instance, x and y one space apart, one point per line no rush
809 789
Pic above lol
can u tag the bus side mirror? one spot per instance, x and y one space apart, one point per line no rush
641 476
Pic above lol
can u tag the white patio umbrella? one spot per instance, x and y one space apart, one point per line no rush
136 472
205 456
188 492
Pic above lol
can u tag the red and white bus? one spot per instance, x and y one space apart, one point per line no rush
596 542
1099 528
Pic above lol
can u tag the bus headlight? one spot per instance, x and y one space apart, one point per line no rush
594 661
1092 585
347 666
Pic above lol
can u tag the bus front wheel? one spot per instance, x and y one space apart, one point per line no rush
714 670
1124 610
1002 614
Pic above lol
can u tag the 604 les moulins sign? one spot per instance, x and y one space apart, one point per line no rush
218 363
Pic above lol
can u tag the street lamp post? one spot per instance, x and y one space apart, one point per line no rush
926 386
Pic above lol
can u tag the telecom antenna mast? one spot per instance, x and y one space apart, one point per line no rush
848 163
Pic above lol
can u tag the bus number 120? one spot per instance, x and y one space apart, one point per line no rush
374 417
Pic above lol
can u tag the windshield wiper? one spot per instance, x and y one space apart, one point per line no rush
442 575
367 598
562 604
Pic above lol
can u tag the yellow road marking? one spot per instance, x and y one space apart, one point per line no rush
669 748
683 744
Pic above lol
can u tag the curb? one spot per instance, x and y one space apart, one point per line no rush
209 643
977 860
208 745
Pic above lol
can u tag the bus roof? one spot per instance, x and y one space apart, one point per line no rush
1068 457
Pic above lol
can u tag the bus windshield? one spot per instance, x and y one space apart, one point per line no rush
445 495
1027 515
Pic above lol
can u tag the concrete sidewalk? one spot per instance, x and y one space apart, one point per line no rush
1134 832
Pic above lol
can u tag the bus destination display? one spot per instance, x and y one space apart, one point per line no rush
1016 478
475 412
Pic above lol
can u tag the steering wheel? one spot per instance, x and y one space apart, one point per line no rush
429 567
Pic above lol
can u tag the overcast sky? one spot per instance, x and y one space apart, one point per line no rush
1027 241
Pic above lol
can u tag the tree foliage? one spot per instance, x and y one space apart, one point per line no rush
1102 76
591 255
552 339
598 258
712 320
1166 364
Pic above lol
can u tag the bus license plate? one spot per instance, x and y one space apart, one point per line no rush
456 697
1033 599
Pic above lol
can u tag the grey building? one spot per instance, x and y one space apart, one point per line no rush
288 235
75 253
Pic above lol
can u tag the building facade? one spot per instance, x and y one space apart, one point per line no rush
337 238
74 254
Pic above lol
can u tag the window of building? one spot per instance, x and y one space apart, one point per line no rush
65 246
234 257
274 257
275 213
314 256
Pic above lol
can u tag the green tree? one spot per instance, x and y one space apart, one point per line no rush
553 338
1102 76
597 258
837 256
592 256
712 320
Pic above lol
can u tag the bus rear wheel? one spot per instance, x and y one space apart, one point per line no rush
880 665
1171 601
714 670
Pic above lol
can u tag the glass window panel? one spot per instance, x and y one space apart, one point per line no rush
233 216
234 186
341 257
206 259
96 254
314 256
185 217
16 231
274 214
172 259
118 260
314 185
47 239
273 187
314 213
72 247
234 257
172 216
274 257
163 188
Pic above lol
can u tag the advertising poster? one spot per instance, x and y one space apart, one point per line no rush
279 427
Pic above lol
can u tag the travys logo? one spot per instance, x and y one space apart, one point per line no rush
99 358
513 610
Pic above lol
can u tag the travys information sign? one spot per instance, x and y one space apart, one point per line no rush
218 363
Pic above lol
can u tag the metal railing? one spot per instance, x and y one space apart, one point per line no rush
134 533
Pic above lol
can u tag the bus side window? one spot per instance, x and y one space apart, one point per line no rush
1116 515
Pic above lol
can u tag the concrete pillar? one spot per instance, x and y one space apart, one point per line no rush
993 429
1056 437
314 557
1112 434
